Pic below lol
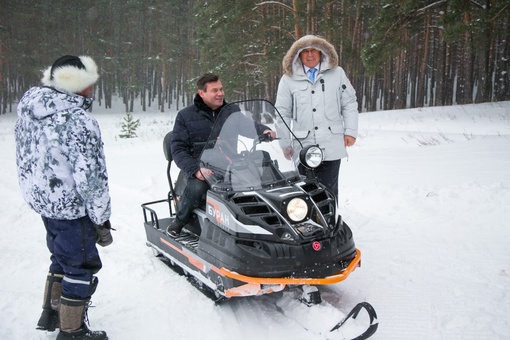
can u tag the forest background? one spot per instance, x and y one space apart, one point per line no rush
397 53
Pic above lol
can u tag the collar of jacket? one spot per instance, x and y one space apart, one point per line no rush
199 103
86 102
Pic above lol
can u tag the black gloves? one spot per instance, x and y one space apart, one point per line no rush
104 235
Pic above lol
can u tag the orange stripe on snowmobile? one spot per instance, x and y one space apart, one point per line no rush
192 259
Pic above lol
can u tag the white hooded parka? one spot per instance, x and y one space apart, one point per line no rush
319 113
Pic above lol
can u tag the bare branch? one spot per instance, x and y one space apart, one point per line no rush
287 7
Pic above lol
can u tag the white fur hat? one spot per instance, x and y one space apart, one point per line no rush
71 73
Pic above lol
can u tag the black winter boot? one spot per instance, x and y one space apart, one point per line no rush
49 319
72 321
174 229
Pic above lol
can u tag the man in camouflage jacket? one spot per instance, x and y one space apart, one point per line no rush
62 175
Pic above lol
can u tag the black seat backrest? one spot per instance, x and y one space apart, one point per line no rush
168 155
166 146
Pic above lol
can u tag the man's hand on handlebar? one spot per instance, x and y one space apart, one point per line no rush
203 173
267 136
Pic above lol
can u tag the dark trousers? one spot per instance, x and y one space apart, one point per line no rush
72 244
194 194
327 173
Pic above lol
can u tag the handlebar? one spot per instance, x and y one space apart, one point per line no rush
266 137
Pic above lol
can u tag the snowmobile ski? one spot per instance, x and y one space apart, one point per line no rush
315 315
374 323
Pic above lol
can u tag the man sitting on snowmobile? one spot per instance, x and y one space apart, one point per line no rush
192 128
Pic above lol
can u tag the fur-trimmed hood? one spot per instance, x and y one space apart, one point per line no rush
291 61
71 74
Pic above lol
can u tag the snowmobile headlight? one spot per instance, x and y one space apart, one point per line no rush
311 156
297 209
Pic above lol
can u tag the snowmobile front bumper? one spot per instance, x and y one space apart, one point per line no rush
261 284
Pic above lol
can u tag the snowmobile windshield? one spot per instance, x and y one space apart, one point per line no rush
239 154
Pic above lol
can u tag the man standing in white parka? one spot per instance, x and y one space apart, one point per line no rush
319 104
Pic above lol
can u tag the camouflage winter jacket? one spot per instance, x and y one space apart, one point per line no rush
60 158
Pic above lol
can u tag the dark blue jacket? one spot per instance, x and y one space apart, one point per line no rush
193 126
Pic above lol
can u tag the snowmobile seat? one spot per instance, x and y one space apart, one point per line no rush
166 146
168 156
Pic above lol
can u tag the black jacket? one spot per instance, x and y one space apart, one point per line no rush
192 128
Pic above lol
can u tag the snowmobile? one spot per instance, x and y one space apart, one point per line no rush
263 226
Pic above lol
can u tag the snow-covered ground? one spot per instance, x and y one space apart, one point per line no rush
425 191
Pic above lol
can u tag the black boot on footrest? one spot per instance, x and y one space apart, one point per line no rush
174 229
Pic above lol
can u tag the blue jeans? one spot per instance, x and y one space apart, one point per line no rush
72 244
193 196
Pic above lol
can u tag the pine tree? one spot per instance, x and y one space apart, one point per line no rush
129 126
